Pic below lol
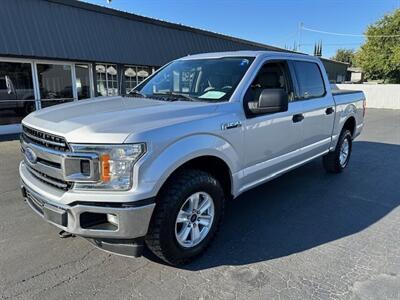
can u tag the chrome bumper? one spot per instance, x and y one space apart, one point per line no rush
80 218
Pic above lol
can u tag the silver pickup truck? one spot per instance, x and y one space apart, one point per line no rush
156 167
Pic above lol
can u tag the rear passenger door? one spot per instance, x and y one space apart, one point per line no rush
318 107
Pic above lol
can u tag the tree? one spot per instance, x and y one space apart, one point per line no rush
345 55
379 57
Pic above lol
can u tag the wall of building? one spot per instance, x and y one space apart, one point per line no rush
75 30
377 95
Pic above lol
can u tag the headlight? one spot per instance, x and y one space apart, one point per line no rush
115 165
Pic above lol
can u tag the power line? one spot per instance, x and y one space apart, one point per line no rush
350 34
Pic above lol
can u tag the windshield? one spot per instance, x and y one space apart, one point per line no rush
196 80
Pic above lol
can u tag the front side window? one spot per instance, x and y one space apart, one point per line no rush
197 79
309 79
271 76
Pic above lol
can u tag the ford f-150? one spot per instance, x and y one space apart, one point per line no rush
157 166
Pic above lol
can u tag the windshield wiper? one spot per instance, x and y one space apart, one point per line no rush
136 92
175 96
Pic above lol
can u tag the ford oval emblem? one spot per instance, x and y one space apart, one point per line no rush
30 155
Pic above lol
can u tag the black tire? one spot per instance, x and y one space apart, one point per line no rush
331 161
161 239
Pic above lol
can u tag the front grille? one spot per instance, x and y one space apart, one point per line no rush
60 184
44 139
49 159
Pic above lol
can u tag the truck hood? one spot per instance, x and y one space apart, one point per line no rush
113 119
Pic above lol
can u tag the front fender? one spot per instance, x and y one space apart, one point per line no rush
158 167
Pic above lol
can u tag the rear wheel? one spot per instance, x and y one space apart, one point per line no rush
337 161
186 218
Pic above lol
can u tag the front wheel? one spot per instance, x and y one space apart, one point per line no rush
186 218
337 161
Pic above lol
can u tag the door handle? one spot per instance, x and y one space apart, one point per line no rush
231 125
329 110
298 118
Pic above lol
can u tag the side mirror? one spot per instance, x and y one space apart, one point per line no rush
270 101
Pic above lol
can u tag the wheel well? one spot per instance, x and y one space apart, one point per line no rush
350 124
212 165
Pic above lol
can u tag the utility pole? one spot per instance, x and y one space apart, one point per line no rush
299 35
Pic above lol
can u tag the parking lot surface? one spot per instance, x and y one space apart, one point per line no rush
307 234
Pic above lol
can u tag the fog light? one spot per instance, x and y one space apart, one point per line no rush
113 219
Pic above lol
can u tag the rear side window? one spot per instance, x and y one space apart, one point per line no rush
309 79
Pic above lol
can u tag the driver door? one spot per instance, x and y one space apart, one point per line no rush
271 140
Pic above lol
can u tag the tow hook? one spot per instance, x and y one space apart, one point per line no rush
63 234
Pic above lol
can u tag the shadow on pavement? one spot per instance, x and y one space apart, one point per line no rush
307 208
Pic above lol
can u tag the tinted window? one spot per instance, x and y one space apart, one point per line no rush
82 81
16 92
270 76
16 79
309 79
55 83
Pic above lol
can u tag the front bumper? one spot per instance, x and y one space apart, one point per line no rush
130 220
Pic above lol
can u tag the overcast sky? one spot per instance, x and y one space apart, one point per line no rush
273 22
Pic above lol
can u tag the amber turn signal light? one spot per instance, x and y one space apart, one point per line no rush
105 167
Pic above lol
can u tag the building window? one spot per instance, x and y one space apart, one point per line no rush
16 92
55 84
107 80
130 78
143 73
82 74
135 75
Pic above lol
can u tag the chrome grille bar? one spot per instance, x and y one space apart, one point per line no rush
52 181
34 138
44 139
50 160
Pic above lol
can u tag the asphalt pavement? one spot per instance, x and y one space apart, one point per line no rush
305 235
